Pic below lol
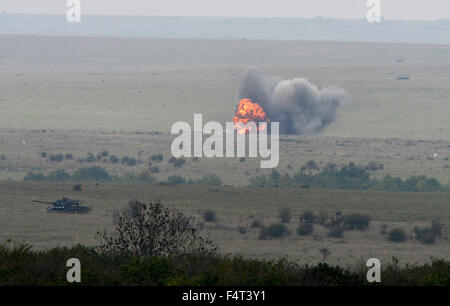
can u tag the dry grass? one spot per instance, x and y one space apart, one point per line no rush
22 220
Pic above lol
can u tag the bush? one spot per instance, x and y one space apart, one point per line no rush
77 187
145 177
275 230
128 161
34 177
209 216
154 230
209 180
424 235
428 235
56 158
437 228
284 214
336 232
90 158
176 180
157 157
305 229
179 162
356 222
58 176
68 156
256 223
308 216
397 235
91 174
20 265
242 230
113 159
154 169
104 154
43 154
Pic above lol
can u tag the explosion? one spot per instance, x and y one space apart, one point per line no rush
249 111
298 105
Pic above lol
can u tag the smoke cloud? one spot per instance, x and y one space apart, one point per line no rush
299 106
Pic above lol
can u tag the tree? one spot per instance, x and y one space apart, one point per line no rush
154 230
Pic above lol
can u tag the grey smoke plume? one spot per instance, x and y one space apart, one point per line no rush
299 106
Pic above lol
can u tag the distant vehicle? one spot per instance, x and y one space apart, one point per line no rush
65 205
403 77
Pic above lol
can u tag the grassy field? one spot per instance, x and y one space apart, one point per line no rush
146 85
87 95
21 219
403 158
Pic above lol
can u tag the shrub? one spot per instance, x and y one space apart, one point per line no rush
176 180
179 162
90 158
58 176
113 159
275 230
310 165
397 235
104 154
56 158
256 223
336 232
77 187
154 230
284 214
128 161
91 174
305 229
242 230
157 157
154 169
145 177
209 216
34 177
424 235
436 228
68 156
356 222
308 216
209 180
428 235
43 154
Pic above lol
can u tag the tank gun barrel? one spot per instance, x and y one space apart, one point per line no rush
43 202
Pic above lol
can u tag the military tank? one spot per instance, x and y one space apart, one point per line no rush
65 205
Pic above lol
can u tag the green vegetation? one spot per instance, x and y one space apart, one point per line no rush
305 229
356 222
21 266
209 216
336 232
285 214
154 230
349 176
398 235
274 230
428 235
94 173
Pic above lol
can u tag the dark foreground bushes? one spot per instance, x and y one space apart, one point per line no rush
19 265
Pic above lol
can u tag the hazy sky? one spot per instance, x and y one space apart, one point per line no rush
354 9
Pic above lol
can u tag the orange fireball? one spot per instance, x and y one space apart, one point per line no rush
249 111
